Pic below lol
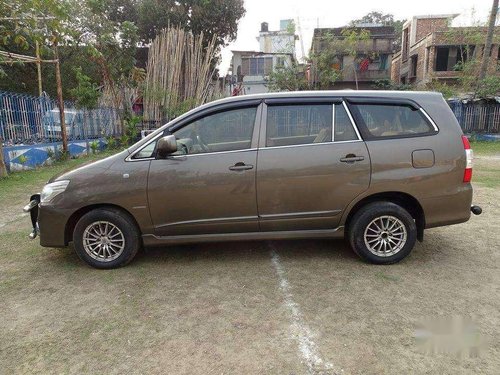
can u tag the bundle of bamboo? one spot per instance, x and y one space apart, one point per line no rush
179 75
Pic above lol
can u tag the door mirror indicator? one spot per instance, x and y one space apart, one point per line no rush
166 145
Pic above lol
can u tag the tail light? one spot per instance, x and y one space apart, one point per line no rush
468 157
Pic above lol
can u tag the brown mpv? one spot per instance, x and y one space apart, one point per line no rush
377 167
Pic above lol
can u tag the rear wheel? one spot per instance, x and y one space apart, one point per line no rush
382 233
106 238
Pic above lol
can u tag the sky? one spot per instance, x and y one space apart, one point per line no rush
335 13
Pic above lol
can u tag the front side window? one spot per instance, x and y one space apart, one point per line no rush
392 120
224 131
298 124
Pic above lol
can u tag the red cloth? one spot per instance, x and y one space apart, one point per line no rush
363 65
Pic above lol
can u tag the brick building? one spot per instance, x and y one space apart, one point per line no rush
372 62
432 50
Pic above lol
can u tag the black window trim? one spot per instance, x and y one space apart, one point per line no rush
367 136
196 116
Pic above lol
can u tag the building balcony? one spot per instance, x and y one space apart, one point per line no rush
367 75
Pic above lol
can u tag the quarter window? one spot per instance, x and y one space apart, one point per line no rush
298 124
392 120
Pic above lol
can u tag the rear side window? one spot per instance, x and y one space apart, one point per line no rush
298 124
344 131
393 120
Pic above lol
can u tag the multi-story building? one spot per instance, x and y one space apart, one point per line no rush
364 63
432 50
249 70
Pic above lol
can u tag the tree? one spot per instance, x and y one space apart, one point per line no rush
328 63
288 78
386 20
489 39
325 62
212 17
41 21
468 67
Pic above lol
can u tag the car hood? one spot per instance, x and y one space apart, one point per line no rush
90 169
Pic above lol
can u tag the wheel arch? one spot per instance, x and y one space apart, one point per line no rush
405 200
73 219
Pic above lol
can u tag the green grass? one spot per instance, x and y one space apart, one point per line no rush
489 177
485 148
486 170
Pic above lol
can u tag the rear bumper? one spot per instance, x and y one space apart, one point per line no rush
52 222
448 209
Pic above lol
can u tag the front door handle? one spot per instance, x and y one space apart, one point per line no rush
240 167
351 158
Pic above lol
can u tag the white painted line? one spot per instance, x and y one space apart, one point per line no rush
13 219
299 330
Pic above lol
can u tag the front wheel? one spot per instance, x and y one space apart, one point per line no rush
382 233
106 238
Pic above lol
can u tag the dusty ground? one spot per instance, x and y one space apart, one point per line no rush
251 308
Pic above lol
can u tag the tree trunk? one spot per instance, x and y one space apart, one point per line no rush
3 168
60 100
489 40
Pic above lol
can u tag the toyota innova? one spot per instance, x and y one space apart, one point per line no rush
376 167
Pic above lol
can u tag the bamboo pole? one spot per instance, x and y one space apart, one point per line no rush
178 72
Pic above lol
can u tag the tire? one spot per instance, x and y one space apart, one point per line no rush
100 250
392 243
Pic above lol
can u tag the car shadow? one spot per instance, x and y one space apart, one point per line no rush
248 251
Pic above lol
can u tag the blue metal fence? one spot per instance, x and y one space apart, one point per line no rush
477 116
26 119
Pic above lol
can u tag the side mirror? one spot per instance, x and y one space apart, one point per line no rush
166 145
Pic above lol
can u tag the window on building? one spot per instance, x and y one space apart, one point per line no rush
298 124
280 62
413 67
392 120
442 54
464 53
406 44
256 66
498 58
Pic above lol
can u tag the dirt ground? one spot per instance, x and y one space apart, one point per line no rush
284 307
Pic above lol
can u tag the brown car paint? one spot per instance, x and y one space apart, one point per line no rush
290 192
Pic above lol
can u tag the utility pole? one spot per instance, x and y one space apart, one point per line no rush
489 40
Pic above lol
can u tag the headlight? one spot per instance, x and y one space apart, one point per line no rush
50 191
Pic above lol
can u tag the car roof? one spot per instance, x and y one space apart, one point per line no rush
415 95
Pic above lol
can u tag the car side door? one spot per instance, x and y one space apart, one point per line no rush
312 163
208 186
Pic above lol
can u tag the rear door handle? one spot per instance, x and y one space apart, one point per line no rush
240 167
352 158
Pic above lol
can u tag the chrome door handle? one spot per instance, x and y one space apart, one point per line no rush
240 167
352 159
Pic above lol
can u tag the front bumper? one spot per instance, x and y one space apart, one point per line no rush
52 222
47 222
